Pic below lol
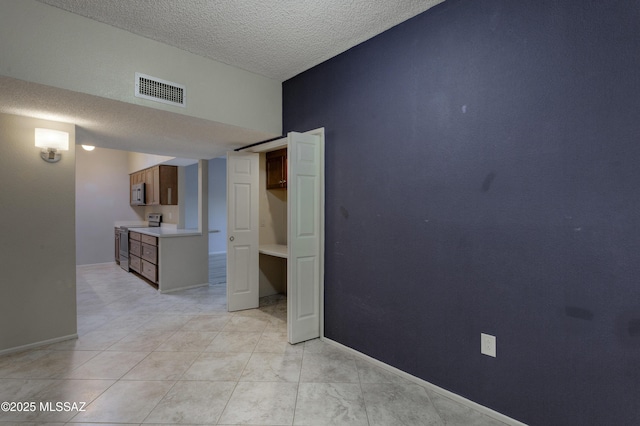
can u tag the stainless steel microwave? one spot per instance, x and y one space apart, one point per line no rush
137 194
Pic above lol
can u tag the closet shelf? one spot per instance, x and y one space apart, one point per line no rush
277 250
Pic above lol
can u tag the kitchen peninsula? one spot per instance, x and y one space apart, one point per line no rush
167 255
174 259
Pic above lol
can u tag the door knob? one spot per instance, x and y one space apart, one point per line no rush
231 238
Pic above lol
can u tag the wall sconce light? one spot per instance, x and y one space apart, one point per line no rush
88 147
51 142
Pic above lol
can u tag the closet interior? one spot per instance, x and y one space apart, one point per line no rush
273 223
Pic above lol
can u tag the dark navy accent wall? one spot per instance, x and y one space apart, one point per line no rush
483 176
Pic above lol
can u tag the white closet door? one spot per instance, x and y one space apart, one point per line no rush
306 234
242 231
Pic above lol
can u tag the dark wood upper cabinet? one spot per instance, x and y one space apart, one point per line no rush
161 185
276 164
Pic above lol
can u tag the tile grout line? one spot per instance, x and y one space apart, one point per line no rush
181 313
235 385
364 400
295 405
118 380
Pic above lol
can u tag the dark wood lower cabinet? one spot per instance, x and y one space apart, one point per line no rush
150 271
134 264
143 255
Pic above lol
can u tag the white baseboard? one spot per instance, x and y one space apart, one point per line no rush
217 252
457 398
183 288
38 344
97 264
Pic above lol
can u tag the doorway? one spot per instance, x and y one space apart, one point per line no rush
217 213
304 249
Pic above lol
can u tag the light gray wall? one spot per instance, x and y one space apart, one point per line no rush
218 205
47 45
102 197
217 202
140 161
37 256
190 199
184 261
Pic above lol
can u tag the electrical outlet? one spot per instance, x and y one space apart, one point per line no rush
488 344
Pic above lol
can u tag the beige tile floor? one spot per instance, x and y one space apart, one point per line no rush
148 358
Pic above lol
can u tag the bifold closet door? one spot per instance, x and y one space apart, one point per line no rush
242 231
305 263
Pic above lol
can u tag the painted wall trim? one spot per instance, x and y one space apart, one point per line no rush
457 398
38 344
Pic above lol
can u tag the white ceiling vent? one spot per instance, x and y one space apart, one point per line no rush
155 89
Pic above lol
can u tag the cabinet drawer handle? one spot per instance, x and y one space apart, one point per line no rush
231 238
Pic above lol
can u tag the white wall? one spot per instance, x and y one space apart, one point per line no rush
47 45
218 205
138 161
102 197
217 202
190 196
37 256
183 262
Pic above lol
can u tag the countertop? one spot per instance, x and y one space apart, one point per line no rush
163 232
131 223
277 250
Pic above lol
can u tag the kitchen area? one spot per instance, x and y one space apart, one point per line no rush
150 214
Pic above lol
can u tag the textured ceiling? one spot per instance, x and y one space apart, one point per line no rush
121 125
275 38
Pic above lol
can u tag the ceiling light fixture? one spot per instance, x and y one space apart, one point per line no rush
88 147
51 142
